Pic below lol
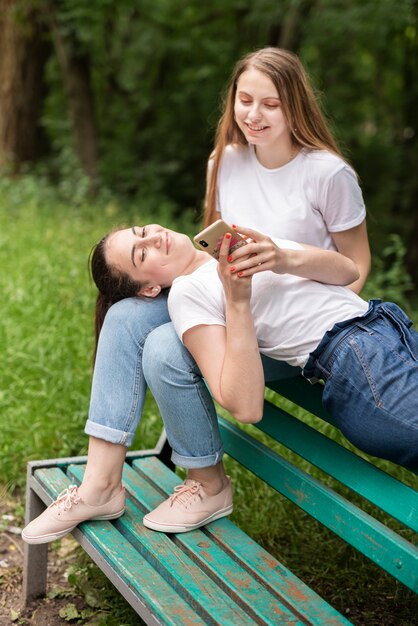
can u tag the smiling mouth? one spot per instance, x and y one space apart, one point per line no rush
256 129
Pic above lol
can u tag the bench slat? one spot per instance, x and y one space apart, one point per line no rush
383 546
282 584
176 566
388 493
229 575
125 563
299 391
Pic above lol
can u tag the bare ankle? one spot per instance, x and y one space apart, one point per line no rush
213 479
98 492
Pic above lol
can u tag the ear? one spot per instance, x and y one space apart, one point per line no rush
150 292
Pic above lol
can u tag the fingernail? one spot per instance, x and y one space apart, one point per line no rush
227 236
240 273
233 268
229 259
234 225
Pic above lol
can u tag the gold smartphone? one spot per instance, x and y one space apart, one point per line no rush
210 238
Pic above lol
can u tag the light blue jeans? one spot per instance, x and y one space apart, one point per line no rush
138 346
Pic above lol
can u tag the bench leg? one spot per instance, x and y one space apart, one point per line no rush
35 556
165 454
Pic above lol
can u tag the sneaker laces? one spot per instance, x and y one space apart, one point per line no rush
67 498
185 493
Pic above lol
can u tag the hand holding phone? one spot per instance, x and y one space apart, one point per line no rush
237 289
211 238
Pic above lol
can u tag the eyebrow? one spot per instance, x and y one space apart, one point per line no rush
245 93
133 249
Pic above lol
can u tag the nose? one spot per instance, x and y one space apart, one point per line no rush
254 112
153 240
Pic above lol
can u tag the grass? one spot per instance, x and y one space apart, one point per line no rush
46 342
46 325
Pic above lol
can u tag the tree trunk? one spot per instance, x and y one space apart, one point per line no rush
289 33
75 70
23 54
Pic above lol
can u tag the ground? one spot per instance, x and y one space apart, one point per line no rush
62 595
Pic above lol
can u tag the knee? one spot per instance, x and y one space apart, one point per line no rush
122 314
164 355
135 317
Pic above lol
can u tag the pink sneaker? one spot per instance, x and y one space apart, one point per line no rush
189 507
68 510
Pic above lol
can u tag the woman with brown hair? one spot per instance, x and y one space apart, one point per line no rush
366 354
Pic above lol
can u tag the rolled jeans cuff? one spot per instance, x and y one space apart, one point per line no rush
106 433
196 462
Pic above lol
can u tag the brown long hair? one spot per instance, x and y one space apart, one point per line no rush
113 285
300 107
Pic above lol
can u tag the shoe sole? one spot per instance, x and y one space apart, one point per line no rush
53 537
184 528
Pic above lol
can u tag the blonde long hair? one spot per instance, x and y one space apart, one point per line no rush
300 107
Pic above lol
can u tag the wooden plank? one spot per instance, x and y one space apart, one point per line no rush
183 573
258 603
126 567
382 545
386 492
285 586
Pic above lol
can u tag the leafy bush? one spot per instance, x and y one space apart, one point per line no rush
389 279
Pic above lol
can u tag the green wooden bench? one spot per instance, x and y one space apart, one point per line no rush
217 574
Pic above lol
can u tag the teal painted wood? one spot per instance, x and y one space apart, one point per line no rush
222 597
390 551
290 590
364 478
136 572
259 603
302 393
309 397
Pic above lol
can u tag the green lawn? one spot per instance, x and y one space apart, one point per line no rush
46 334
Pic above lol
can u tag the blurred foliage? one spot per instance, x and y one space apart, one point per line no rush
158 69
389 279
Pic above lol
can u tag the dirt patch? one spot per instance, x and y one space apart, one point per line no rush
44 611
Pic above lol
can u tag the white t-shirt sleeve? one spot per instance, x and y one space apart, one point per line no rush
341 201
191 303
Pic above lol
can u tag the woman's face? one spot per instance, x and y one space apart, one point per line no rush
152 255
258 110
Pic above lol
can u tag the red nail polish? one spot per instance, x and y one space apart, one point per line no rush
233 268
227 236
229 259
240 273
233 225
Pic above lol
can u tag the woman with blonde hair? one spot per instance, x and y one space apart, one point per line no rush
276 166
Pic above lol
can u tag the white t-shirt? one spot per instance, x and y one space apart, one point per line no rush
313 195
291 314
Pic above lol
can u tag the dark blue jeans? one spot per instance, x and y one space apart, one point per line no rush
370 368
